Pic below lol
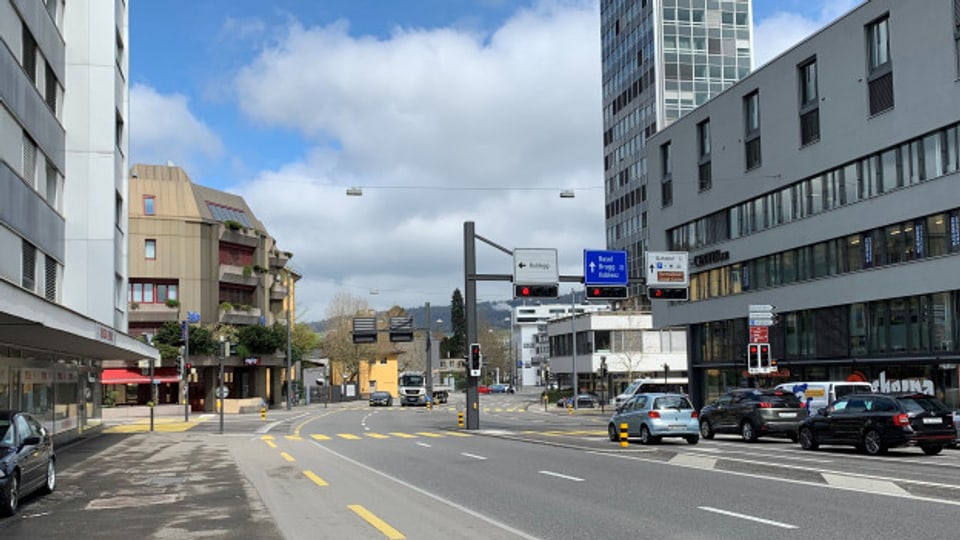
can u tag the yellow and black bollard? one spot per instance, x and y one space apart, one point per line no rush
460 419
570 407
263 414
623 435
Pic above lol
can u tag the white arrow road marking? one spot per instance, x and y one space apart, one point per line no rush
750 518
564 476
423 444
474 456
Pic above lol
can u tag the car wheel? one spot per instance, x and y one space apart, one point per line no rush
613 433
692 439
748 432
646 437
932 449
808 441
706 430
51 483
10 505
873 443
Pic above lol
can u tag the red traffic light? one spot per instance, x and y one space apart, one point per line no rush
667 293
606 292
753 350
535 291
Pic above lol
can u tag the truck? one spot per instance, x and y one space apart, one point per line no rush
412 388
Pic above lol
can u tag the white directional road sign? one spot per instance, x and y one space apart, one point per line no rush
535 266
763 322
763 315
760 307
667 269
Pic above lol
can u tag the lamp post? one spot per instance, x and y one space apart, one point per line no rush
573 349
289 359
153 392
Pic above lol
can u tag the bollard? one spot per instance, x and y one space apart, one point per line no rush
263 414
570 408
460 419
623 435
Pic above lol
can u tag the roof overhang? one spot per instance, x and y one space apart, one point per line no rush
29 321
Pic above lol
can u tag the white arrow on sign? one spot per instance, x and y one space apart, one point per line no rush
763 322
760 307
762 315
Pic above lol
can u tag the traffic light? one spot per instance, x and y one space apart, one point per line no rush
475 359
753 358
188 368
764 358
594 291
667 293
536 291
179 367
401 329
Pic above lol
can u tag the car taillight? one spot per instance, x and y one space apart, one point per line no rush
694 414
901 419
765 405
654 414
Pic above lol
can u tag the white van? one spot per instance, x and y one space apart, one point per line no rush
822 393
639 386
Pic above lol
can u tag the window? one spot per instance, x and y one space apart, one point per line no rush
705 180
29 161
152 292
880 73
956 35
809 103
150 249
29 51
29 266
751 113
666 180
50 282
149 208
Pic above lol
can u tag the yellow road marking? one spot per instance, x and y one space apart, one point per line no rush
377 436
458 434
348 436
321 437
271 444
377 523
293 438
428 434
287 456
316 479
266 438
404 435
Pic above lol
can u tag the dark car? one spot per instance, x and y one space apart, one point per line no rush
753 413
585 400
27 462
381 399
876 422
501 388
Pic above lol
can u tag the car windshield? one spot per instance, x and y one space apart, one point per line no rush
672 402
411 380
778 399
922 404
632 388
6 433
844 389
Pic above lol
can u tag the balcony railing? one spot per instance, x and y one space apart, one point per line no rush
152 313
239 275
240 316
241 237
278 292
278 259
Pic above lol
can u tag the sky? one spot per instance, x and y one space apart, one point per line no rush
441 111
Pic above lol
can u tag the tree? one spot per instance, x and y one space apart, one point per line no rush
456 344
338 339
302 340
495 346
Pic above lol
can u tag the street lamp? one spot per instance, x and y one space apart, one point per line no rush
573 341
289 359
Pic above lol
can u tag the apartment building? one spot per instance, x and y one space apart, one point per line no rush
200 251
661 59
63 202
836 199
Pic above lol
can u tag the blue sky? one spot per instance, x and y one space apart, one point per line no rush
287 102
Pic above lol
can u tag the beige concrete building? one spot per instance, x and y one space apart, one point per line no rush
198 251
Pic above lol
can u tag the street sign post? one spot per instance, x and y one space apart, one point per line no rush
602 267
535 266
667 269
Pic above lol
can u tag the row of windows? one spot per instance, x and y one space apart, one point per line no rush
917 160
225 213
39 72
152 292
930 236
32 267
927 324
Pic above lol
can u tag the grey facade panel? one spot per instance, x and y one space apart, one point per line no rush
24 102
45 32
23 210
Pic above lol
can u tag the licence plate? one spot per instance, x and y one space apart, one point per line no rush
933 420
676 427
788 415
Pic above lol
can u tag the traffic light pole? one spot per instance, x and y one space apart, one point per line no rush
184 376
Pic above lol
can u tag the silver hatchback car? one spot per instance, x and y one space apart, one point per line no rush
653 416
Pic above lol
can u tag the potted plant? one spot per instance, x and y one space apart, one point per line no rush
172 303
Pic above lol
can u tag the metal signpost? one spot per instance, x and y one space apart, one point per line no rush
760 318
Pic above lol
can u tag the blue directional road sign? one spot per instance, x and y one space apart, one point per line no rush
602 267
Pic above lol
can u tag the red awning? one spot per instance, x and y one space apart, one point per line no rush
138 376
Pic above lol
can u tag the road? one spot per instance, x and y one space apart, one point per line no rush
351 471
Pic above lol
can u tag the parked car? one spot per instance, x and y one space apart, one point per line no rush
381 399
876 422
501 388
816 395
654 416
753 413
585 400
483 389
27 461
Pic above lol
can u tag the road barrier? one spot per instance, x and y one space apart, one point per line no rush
460 419
263 413
623 435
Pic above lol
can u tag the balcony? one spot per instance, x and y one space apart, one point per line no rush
278 292
241 237
239 315
239 275
152 313
278 259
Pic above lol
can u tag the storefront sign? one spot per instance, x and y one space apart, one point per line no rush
913 384
712 257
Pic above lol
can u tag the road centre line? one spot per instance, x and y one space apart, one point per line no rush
564 476
376 522
287 456
748 517
474 456
315 479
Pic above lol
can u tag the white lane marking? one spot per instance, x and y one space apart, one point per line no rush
564 476
867 484
474 456
747 517
423 444
499 524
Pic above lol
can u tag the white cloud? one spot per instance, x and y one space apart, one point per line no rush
782 30
517 112
164 129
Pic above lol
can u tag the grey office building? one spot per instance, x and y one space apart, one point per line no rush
825 184
661 59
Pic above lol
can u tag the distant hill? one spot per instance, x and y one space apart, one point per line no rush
496 314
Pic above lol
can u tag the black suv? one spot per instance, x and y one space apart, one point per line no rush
875 422
753 412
